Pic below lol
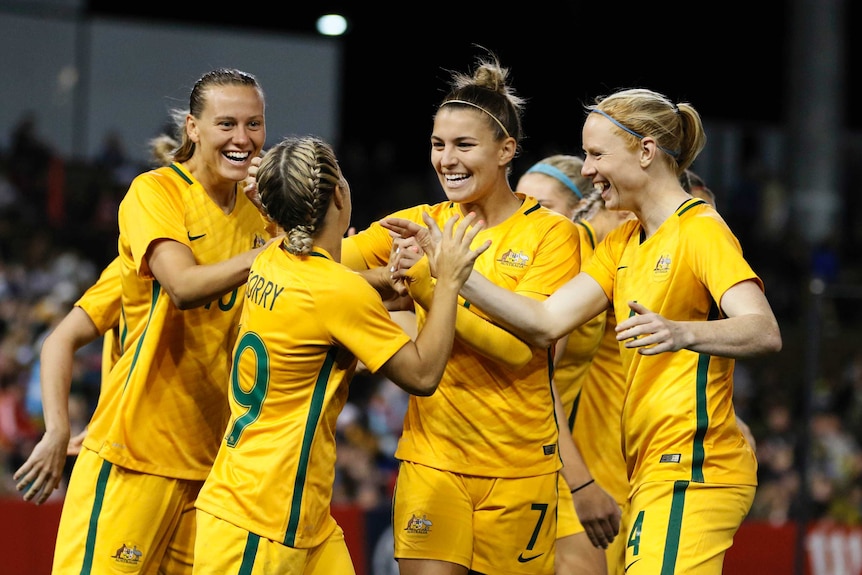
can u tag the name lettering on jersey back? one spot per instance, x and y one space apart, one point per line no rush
262 291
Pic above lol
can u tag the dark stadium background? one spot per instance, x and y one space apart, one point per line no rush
730 59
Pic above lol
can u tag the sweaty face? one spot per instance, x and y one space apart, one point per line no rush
465 155
228 134
548 190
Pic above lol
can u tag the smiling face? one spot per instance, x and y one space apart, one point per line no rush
611 163
228 134
470 163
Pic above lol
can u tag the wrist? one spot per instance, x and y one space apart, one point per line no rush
581 486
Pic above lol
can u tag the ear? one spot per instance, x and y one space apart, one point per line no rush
507 150
338 197
648 150
192 129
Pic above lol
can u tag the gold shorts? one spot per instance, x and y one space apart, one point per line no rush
682 526
116 520
490 525
222 547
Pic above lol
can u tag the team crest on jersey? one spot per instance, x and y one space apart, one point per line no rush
420 525
513 259
662 268
258 241
128 554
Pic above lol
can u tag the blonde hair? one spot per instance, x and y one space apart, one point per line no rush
639 112
589 206
296 180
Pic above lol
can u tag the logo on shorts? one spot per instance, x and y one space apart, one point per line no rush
419 525
522 559
549 449
670 458
128 554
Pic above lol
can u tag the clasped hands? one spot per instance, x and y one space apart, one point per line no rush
412 241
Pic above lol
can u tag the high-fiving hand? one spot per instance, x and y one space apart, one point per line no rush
428 239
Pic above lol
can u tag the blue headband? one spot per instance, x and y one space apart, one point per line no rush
558 174
670 153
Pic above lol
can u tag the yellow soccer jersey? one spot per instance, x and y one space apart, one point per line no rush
597 425
485 419
305 322
171 412
678 418
101 302
582 343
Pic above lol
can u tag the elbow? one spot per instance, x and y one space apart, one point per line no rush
775 342
772 340
182 301
424 391
767 343
425 385
540 339
420 389
544 332
182 304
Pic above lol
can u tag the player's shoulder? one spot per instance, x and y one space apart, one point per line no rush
699 215
623 231
165 179
546 220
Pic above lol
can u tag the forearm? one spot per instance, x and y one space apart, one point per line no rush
520 314
488 339
431 348
574 470
201 284
539 322
737 337
379 279
55 385
55 373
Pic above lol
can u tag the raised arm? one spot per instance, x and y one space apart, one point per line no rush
418 366
540 323
490 340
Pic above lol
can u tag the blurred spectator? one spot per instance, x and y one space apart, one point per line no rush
778 477
386 409
29 159
834 464
357 478
113 159
18 432
848 398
